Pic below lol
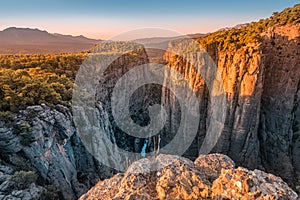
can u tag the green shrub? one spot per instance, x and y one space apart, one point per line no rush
51 193
22 164
24 178
26 141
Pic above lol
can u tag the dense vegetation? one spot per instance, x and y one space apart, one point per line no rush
24 178
27 80
34 79
235 38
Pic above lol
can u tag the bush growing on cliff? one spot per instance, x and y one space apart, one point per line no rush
22 164
51 193
24 178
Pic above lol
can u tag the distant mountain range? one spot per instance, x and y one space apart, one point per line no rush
28 41
34 41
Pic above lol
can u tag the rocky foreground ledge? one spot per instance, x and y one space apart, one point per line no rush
211 176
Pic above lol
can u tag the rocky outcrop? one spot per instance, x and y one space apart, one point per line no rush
33 192
241 183
172 177
43 140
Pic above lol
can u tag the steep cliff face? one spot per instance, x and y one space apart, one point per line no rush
43 140
279 118
261 82
242 75
256 133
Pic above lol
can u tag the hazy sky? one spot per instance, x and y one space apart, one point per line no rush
103 19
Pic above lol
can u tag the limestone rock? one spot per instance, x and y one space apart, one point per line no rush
33 192
174 177
108 188
212 164
241 183
44 139
262 86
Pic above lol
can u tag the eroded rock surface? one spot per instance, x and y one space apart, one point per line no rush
211 176
262 84
43 140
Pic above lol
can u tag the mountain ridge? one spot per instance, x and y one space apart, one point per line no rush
15 40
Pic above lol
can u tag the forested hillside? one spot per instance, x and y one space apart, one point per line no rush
27 80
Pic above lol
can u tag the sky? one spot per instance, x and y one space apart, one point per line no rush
104 19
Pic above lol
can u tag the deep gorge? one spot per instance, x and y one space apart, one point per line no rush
261 130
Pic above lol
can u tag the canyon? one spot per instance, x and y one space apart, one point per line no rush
261 129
